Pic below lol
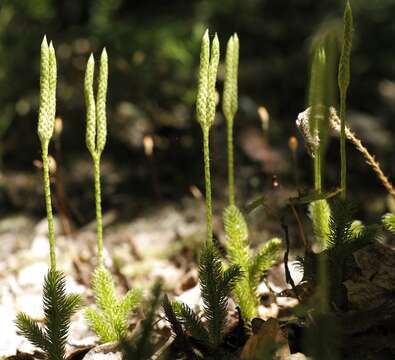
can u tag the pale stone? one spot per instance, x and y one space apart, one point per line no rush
33 275
276 276
72 287
104 352
40 247
31 304
8 337
80 333
192 298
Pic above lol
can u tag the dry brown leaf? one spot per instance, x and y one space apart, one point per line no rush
268 335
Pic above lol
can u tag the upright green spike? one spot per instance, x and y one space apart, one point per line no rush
205 110
44 126
101 102
52 86
90 107
343 82
212 78
96 132
230 104
202 91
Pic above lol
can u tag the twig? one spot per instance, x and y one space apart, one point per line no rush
335 124
300 226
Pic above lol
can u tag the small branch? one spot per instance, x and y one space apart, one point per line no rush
300 226
335 124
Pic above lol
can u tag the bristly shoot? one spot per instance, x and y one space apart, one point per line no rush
252 266
110 320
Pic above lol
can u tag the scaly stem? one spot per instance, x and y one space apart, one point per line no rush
48 204
343 162
231 176
207 180
99 218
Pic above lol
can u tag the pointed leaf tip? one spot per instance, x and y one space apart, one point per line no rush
91 60
348 12
44 43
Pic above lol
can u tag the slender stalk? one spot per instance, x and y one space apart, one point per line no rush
99 216
231 175
48 204
207 179
317 171
323 276
343 82
343 159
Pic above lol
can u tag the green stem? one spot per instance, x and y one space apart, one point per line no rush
48 204
231 176
343 163
317 171
99 217
323 284
207 179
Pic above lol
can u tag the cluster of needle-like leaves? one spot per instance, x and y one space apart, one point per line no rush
216 285
389 222
344 238
110 319
141 345
252 266
58 309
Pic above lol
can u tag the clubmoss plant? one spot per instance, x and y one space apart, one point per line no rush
205 111
343 82
58 306
110 320
238 249
216 283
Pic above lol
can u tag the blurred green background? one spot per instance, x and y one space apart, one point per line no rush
153 49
